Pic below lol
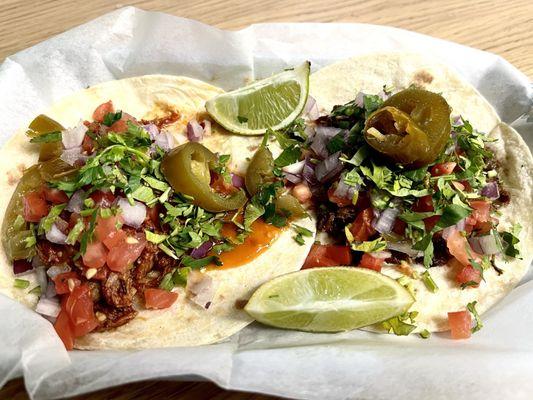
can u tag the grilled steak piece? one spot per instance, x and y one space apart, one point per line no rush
118 289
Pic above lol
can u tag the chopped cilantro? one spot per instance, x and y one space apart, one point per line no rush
370 246
289 155
511 240
155 237
425 334
167 283
21 283
190 262
429 282
472 308
111 117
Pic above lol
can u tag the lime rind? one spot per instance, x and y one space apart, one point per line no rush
271 103
329 299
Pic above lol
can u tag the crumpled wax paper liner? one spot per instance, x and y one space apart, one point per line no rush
496 363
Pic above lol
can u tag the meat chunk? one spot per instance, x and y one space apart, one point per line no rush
118 289
54 254
332 219
111 317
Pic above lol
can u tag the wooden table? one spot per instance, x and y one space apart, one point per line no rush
500 26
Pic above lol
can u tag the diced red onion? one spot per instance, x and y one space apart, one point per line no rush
484 244
310 132
322 137
295 168
491 191
344 190
152 130
359 99
133 215
22 267
384 96
75 203
202 250
329 168
237 180
308 172
165 140
73 137
292 178
311 109
405 248
55 235
195 132
206 124
73 156
55 270
457 120
385 221
48 307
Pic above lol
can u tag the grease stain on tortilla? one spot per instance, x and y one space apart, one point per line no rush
422 77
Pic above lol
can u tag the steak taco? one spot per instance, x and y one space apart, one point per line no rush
412 174
143 224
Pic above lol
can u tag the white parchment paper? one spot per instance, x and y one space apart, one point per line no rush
496 363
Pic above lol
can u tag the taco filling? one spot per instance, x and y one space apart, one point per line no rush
114 216
396 181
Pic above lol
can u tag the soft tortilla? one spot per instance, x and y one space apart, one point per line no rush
184 324
339 83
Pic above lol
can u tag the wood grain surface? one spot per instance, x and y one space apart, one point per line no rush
500 26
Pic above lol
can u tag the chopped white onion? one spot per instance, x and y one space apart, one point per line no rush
73 137
359 99
385 221
133 215
460 226
322 137
195 132
48 307
75 203
164 140
381 254
73 155
329 168
344 190
42 279
295 168
55 270
152 130
54 235
200 288
293 178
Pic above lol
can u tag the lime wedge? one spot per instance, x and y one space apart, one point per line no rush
328 299
269 103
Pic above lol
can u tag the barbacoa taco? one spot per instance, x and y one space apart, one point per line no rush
142 224
412 174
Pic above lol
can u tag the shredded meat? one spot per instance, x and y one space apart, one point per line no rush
333 219
143 265
172 117
112 317
54 254
118 289
396 257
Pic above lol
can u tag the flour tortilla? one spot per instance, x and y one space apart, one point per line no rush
185 323
339 83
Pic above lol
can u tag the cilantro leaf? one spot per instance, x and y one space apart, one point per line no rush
472 308
370 246
111 117
289 155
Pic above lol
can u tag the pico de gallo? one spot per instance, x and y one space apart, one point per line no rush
394 179
115 214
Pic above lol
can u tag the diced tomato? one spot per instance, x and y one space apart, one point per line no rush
483 227
121 256
361 228
399 227
340 201
302 192
79 308
159 298
460 324
95 255
443 168
61 282
460 248
424 204
103 199
106 227
328 255
54 195
468 275
122 124
101 111
371 262
87 145
430 222
64 330
481 210
219 185
115 239
35 206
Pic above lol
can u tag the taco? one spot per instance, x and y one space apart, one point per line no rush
142 224
411 173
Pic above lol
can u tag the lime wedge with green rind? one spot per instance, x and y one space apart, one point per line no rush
329 299
272 103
